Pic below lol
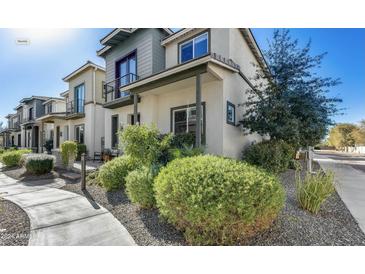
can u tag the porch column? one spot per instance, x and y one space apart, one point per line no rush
198 101
41 136
135 108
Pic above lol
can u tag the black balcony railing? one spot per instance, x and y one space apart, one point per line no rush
74 107
112 88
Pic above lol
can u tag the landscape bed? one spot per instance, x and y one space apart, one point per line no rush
333 225
14 225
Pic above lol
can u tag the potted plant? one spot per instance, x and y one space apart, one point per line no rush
48 146
107 155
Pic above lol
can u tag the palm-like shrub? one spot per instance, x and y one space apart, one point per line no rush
112 174
13 158
39 163
68 152
314 189
273 155
139 187
216 200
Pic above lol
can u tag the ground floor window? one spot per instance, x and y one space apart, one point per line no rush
115 122
183 119
131 119
80 134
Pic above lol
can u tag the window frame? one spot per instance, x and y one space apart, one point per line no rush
112 133
83 129
172 120
229 104
192 39
76 99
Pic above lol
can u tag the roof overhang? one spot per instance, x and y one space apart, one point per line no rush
177 73
53 100
251 41
176 35
117 36
51 117
84 67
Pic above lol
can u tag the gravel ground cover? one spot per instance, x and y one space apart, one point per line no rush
20 173
14 225
334 224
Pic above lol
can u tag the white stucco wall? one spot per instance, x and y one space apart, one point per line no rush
155 107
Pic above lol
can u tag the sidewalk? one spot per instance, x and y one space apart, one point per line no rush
61 217
350 183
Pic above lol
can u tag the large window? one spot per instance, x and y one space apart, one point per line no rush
194 48
79 134
79 98
184 119
125 72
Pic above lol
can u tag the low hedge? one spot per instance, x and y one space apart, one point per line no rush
274 156
112 174
216 200
13 158
139 187
39 163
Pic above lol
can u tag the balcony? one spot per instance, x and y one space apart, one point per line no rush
113 95
75 109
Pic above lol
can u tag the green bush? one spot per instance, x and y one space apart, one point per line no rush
39 163
143 143
314 190
81 148
68 151
216 200
112 174
274 156
12 158
139 187
185 151
183 139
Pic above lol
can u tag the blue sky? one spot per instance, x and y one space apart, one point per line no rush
38 68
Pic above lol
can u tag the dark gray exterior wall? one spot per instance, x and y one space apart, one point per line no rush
39 108
150 53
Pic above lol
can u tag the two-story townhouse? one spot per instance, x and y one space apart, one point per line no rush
79 116
13 136
154 76
31 132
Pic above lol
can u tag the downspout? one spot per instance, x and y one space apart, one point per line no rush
94 99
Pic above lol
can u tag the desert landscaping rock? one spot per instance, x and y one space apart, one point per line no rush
14 225
334 225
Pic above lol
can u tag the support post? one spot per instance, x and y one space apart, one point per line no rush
309 159
135 108
198 101
83 172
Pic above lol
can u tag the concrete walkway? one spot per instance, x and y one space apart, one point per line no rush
350 181
59 217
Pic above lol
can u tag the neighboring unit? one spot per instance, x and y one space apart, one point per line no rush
79 116
154 76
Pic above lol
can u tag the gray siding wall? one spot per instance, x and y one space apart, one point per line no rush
150 53
39 108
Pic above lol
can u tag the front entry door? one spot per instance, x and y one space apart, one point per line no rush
57 137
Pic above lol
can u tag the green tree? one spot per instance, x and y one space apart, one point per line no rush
289 101
346 135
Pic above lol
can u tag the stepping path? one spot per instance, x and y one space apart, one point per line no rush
59 217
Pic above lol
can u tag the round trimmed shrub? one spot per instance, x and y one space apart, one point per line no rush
39 164
216 200
112 174
273 155
12 158
139 187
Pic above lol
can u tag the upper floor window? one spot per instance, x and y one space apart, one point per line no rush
30 114
194 48
49 108
79 98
